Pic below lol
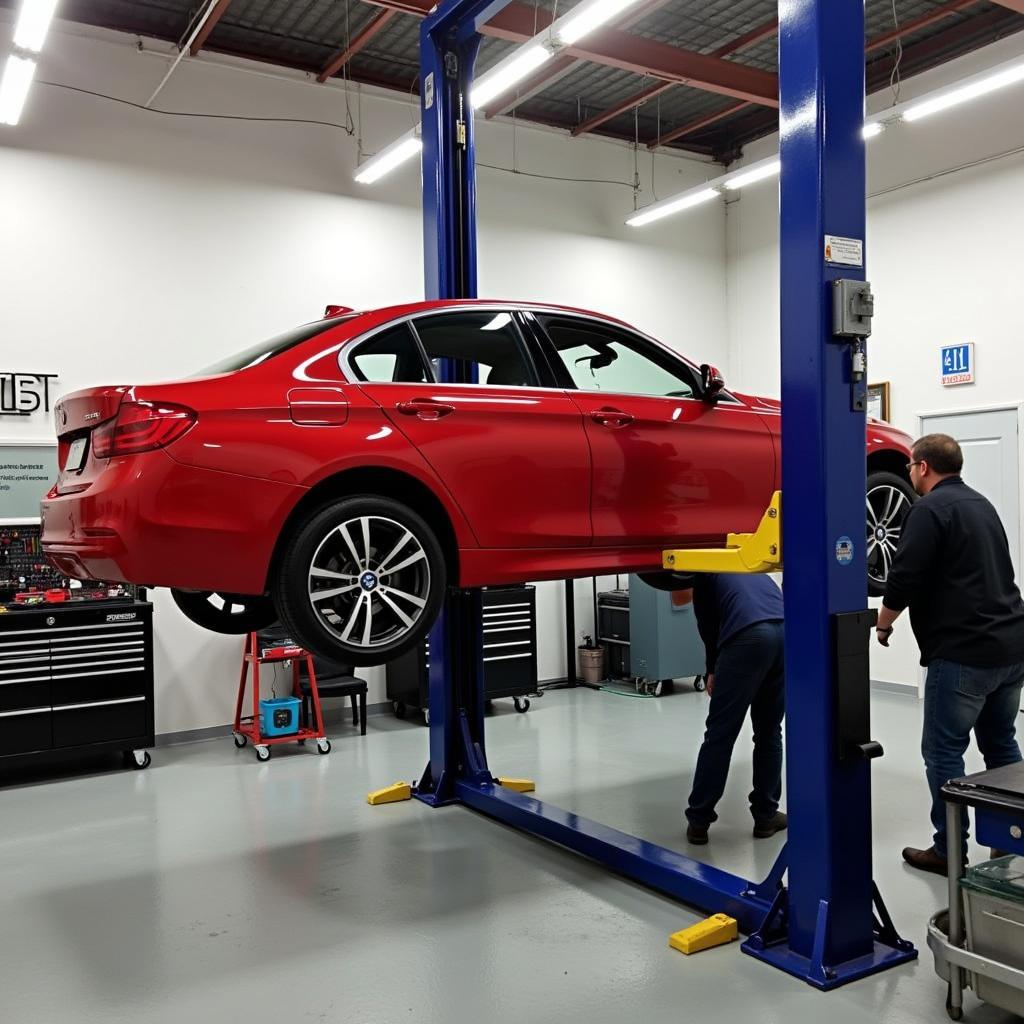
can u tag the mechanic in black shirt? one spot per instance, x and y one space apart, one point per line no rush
740 621
953 570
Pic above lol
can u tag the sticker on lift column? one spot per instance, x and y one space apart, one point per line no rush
844 252
844 550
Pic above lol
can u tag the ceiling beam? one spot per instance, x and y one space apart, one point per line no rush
373 26
696 124
562 65
611 47
877 43
918 57
208 26
636 100
755 35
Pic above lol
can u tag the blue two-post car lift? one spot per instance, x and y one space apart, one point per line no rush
818 914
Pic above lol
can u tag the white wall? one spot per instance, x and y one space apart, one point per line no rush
137 247
944 259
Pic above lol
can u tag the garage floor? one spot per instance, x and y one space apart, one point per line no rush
213 888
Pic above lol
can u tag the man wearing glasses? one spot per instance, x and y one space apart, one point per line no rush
953 570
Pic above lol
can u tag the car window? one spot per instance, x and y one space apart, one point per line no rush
272 347
391 355
486 347
600 358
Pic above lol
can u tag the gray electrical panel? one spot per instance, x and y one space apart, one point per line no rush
663 638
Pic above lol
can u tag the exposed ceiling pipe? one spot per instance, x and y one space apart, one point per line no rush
182 50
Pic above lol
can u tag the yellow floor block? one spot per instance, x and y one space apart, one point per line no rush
519 785
390 794
715 931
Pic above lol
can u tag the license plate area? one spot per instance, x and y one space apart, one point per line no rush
76 454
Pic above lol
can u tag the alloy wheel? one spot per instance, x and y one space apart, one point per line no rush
887 508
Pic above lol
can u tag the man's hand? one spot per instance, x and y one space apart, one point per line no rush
883 635
710 685
886 617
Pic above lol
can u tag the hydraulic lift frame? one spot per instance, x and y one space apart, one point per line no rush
828 924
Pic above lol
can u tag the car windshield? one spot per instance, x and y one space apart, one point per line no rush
272 347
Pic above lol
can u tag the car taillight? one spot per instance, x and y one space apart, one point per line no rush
141 427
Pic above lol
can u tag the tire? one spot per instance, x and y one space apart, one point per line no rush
667 581
522 704
231 614
889 498
369 617
262 753
240 740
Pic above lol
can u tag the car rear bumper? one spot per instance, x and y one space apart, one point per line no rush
149 520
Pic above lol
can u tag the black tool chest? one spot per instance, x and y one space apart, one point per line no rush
76 679
509 630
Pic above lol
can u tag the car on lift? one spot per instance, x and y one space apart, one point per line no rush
328 478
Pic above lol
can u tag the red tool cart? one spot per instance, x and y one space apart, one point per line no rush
265 735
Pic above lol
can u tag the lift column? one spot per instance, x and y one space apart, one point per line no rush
831 936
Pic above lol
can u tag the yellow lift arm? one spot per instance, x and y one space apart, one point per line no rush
760 551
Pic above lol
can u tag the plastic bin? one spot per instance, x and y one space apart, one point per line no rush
279 716
993 895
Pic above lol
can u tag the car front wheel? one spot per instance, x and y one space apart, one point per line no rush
232 614
361 580
889 498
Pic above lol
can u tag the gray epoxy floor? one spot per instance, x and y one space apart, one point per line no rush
210 887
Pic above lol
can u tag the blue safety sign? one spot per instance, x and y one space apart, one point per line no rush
844 550
958 364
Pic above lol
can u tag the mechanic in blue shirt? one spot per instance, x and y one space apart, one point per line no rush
739 617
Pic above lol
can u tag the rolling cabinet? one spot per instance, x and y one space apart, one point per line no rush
509 627
76 680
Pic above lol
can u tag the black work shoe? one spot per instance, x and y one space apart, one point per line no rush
697 835
778 822
926 860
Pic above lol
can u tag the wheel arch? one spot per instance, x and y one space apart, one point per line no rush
383 482
888 460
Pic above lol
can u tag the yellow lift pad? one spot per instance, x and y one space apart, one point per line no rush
519 785
715 931
392 794
760 551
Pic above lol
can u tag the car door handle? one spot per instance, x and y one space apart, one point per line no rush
611 417
424 408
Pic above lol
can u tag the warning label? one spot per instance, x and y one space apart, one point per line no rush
846 252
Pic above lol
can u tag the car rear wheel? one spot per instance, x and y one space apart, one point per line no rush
233 614
361 580
889 498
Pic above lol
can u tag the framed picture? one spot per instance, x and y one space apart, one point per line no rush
27 470
878 401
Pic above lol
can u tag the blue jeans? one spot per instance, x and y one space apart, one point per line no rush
957 699
750 675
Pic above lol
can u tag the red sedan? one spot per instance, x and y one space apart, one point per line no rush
326 478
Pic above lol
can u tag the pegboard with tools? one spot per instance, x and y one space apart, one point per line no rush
27 577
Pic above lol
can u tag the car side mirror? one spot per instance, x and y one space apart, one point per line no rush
712 382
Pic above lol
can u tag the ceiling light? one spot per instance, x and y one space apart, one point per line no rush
978 86
871 129
669 206
507 73
388 158
756 173
589 15
33 24
14 88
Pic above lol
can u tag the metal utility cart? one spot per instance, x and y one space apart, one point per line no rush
248 728
978 942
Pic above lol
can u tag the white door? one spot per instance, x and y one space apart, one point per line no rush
991 462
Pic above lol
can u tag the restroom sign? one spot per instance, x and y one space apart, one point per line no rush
958 364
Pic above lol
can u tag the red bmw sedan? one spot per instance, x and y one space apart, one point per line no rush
326 478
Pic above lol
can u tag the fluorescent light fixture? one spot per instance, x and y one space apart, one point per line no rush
871 129
977 86
389 158
669 206
589 15
33 24
758 172
507 73
14 87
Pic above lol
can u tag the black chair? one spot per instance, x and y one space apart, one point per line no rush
334 679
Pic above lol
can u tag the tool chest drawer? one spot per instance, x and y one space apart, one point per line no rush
76 677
